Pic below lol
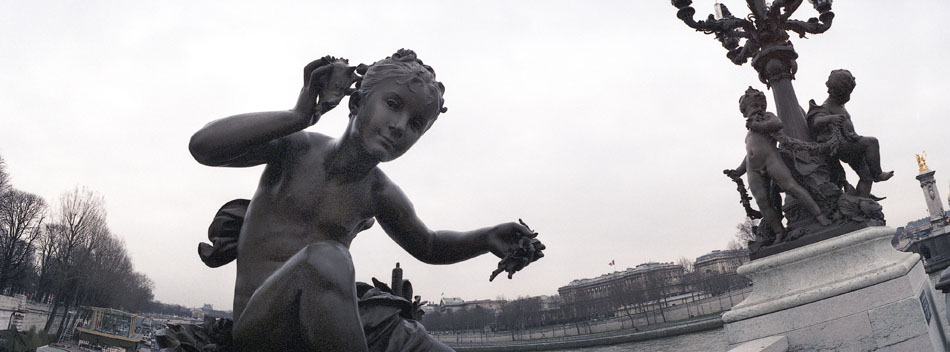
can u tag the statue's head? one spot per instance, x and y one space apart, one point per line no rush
395 103
840 85
752 102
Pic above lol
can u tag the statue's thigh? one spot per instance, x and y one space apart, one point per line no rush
759 186
313 291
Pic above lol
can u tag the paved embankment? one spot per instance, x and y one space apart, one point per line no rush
610 338
32 315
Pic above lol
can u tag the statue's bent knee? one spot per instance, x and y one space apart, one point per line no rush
329 263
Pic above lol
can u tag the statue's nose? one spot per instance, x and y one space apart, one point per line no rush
396 130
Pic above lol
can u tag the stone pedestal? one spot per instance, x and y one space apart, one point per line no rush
849 293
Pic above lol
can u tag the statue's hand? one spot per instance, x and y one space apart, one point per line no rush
517 245
510 237
326 82
334 85
838 119
732 173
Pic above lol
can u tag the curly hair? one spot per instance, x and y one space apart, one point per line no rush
405 68
840 82
750 95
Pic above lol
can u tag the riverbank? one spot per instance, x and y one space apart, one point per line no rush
599 339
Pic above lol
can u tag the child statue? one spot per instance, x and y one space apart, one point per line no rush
765 166
295 287
862 153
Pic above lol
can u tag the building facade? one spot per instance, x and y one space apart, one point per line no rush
721 262
454 304
604 295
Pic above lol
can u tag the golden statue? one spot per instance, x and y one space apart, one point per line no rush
922 162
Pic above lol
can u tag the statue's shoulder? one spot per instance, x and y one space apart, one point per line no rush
381 184
303 142
316 139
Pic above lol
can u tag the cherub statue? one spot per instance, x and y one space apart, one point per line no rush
764 165
862 153
295 287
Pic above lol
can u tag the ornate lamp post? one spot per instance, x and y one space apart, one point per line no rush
763 37
820 203
838 252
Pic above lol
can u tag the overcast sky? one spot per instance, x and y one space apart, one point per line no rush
604 125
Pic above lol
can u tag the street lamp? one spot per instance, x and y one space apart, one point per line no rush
762 36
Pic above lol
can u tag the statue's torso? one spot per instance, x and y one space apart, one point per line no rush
298 203
759 148
824 134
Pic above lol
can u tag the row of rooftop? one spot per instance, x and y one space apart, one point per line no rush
652 266
713 260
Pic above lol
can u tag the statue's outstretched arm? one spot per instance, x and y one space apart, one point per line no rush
396 215
244 140
254 138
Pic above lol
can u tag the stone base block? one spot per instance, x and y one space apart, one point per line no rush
850 293
767 344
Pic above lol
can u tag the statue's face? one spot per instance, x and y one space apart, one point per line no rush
392 117
756 106
840 94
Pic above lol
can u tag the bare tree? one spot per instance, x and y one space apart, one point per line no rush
21 218
686 264
619 294
84 270
734 245
112 282
520 314
79 217
48 264
4 176
655 284
745 232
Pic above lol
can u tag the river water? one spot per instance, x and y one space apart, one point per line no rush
706 341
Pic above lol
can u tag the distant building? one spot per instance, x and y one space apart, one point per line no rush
207 310
601 296
450 303
721 262
929 236
430 308
550 302
492 305
454 304
550 309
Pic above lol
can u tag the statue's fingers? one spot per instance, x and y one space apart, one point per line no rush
524 230
538 245
525 225
495 273
317 74
307 70
525 243
538 255
517 267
